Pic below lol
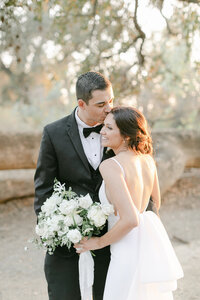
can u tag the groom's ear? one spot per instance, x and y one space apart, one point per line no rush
81 104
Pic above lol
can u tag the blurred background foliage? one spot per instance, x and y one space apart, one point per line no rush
154 66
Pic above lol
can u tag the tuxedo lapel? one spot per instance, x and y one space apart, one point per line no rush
72 130
107 153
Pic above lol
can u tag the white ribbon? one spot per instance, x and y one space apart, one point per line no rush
86 275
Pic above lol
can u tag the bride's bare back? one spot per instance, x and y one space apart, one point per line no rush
140 177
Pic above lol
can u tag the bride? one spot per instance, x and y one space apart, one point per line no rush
143 263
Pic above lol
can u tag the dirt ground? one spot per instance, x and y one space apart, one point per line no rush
21 272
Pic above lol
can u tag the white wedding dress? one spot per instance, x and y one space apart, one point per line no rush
143 263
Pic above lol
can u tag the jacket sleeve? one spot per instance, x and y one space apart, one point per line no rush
46 171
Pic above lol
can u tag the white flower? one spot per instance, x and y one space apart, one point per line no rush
85 202
74 235
44 230
68 221
59 188
78 220
107 209
67 207
57 218
63 232
96 215
56 222
50 205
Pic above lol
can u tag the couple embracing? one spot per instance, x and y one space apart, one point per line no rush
107 152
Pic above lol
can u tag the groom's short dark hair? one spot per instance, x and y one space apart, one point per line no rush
89 82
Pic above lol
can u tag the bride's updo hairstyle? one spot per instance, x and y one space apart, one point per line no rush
133 127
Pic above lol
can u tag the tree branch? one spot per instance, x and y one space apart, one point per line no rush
94 14
141 35
167 23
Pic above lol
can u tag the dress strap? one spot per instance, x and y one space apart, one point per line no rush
119 165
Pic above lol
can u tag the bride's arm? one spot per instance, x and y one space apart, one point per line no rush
120 197
156 191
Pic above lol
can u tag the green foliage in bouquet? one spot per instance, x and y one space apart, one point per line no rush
66 218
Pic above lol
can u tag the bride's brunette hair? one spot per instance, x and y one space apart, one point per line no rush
134 128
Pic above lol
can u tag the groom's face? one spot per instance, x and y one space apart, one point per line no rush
98 106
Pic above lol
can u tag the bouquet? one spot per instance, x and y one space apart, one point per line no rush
66 218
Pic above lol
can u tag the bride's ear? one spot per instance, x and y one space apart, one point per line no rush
126 139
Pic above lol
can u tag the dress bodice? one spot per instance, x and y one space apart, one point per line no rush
112 219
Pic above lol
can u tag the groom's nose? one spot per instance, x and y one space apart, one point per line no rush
108 107
102 130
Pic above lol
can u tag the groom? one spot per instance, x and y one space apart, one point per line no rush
71 151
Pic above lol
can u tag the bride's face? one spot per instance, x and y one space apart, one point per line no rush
110 133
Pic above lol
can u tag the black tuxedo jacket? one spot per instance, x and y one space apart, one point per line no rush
62 156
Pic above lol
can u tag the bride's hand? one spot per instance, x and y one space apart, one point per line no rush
87 244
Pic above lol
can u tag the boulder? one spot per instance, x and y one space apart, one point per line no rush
19 150
170 161
16 184
174 151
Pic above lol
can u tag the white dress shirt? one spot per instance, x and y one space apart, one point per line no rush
91 145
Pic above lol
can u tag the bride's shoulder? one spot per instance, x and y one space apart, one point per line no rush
108 166
106 163
149 159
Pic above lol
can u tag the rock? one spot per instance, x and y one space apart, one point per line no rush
16 184
188 141
174 151
170 162
19 150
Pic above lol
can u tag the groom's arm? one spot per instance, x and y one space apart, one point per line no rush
46 171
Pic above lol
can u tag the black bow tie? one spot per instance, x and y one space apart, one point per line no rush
87 131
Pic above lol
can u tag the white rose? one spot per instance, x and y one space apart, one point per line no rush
100 219
67 207
74 236
56 222
50 205
107 209
92 212
44 230
57 218
85 202
68 221
96 215
56 198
